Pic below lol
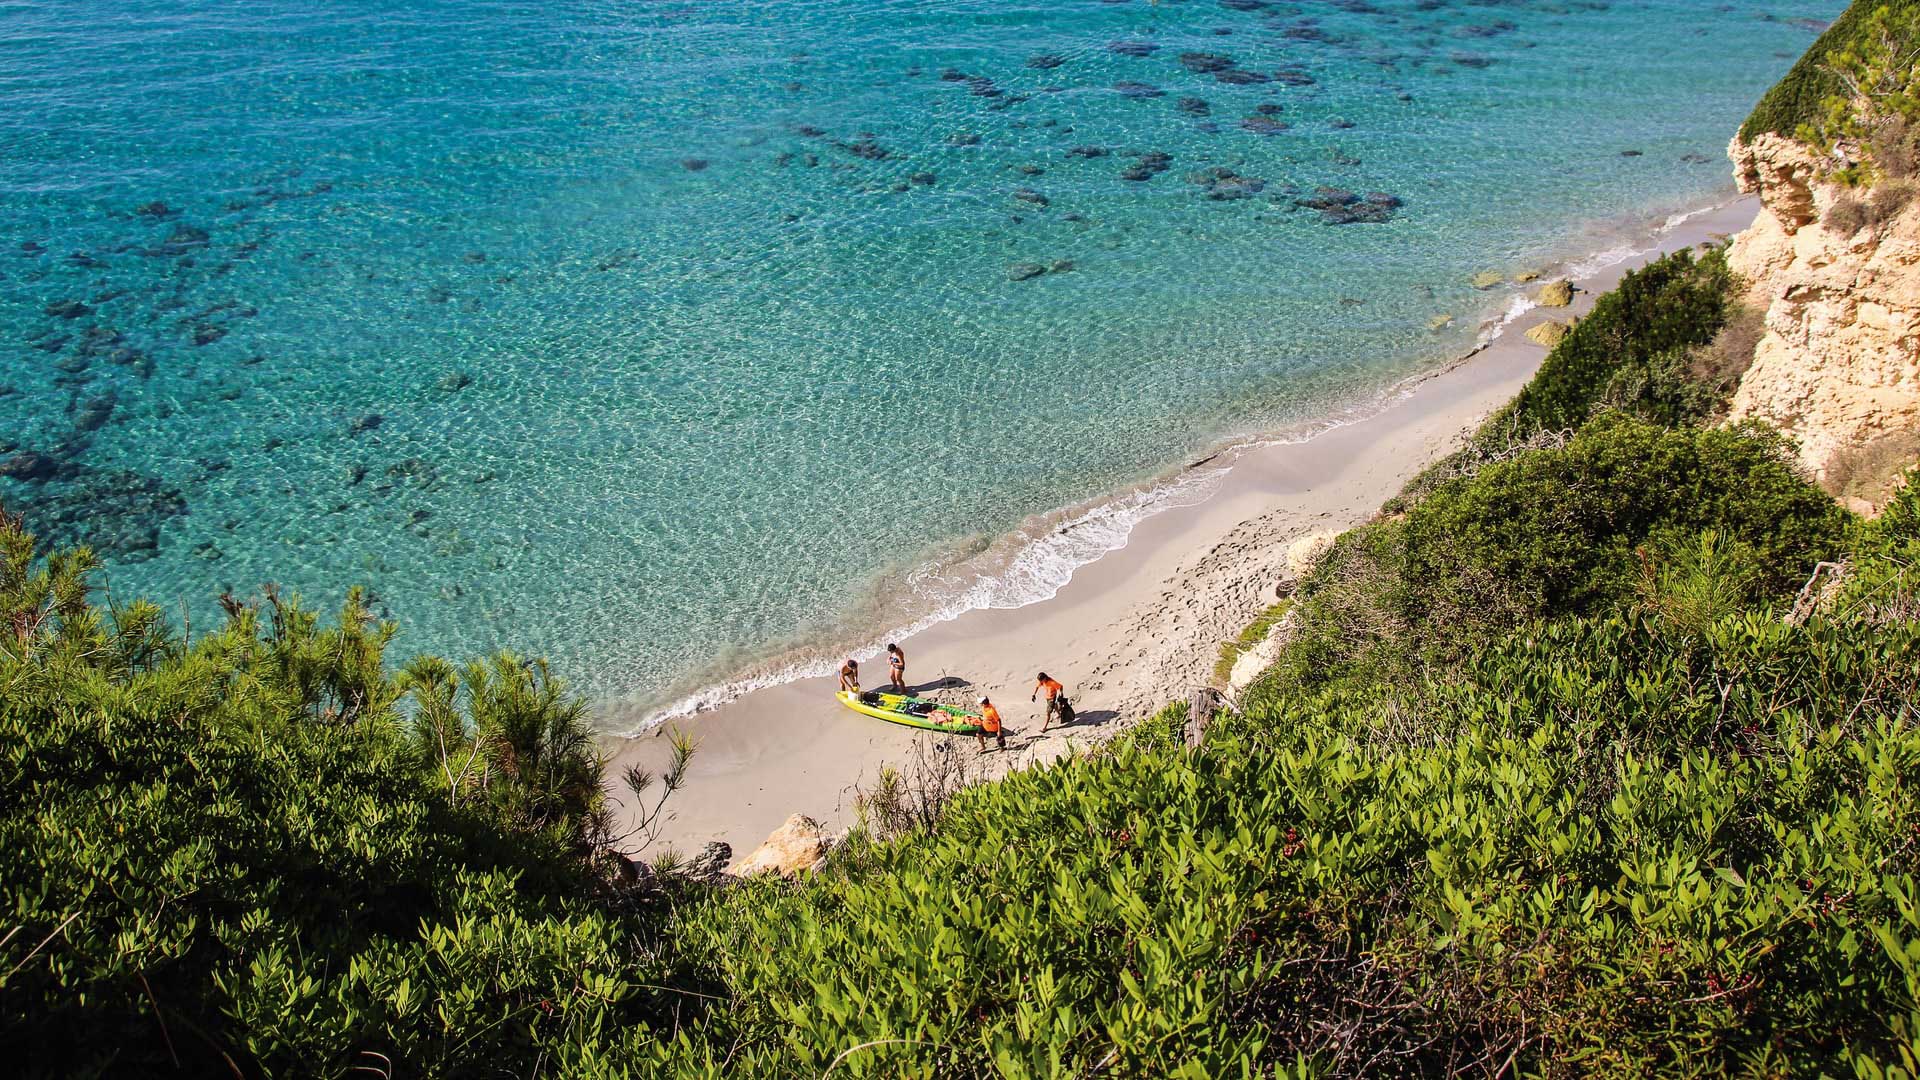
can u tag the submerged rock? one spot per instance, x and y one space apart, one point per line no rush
31 466
1132 48
1223 184
116 512
93 414
1148 166
1206 63
1242 77
1028 195
1337 206
1025 270
865 149
1045 61
1129 88
1194 106
1087 152
369 422
1487 279
67 309
1263 125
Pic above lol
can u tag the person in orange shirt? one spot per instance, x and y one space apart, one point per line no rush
990 725
1045 684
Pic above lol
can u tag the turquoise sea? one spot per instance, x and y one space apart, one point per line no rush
679 340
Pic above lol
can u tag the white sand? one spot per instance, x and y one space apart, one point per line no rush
1130 632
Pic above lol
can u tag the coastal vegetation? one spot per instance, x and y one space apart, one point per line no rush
1592 754
1866 35
1544 781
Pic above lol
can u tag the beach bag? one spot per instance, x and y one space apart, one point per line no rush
1065 708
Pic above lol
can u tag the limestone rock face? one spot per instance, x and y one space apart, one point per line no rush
1263 654
1302 553
1838 365
1783 172
797 845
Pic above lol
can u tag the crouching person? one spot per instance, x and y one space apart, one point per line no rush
990 725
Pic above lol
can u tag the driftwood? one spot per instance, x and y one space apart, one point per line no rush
1826 577
1202 705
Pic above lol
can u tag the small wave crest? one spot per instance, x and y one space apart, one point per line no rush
1027 566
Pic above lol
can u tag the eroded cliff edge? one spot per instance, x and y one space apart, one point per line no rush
1836 272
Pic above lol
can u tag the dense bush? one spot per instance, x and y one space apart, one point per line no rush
1631 352
1668 345
1800 97
233 849
1543 785
1559 531
1608 849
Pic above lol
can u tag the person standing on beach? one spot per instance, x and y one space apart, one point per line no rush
897 668
1046 684
850 675
990 725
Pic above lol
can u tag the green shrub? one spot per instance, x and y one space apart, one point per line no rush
1600 862
1555 532
231 850
1630 353
1801 96
1254 633
1668 345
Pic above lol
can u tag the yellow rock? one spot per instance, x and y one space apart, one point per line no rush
1554 294
796 846
1439 322
1487 279
1548 333
1525 276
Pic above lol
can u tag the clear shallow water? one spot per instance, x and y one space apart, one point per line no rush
660 338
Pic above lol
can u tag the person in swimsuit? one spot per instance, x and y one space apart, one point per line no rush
850 675
897 668
990 725
1044 684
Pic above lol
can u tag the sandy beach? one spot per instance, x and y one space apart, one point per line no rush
1129 632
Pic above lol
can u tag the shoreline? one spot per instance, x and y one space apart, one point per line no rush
1033 560
1134 627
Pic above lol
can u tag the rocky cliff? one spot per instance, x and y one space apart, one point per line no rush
1837 274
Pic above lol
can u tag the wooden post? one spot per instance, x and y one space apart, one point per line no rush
1202 704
